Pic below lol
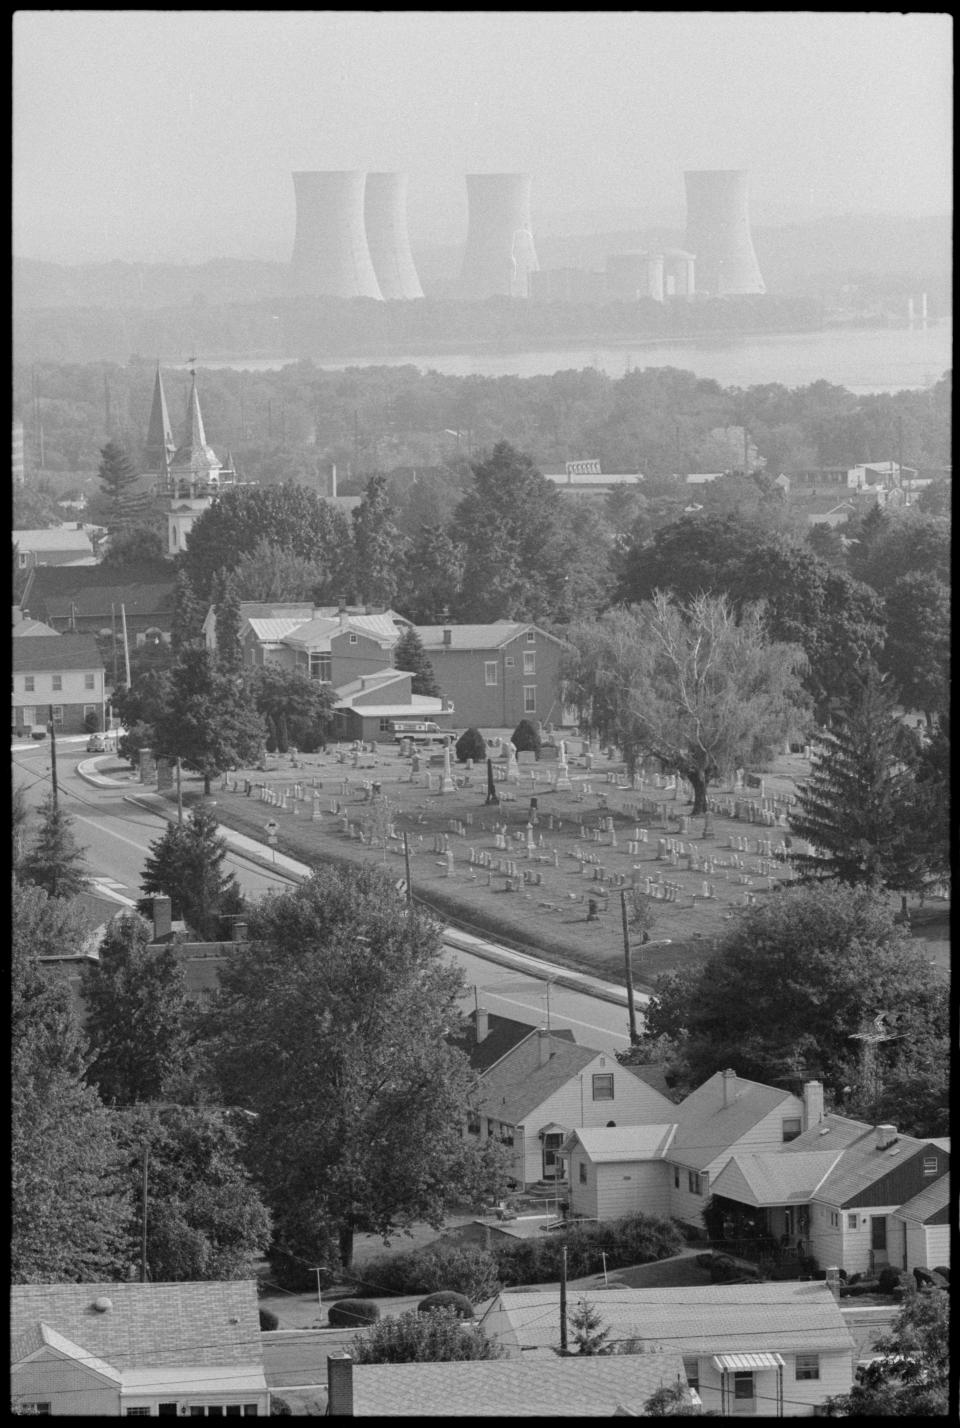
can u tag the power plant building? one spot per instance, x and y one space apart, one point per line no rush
631 276
385 220
678 273
718 233
567 285
331 257
500 255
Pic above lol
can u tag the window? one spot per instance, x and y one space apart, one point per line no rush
320 667
693 1182
58 681
89 681
676 1177
385 726
531 636
808 1366
58 716
352 638
851 1222
509 661
490 671
35 1407
930 1165
691 1368
29 683
506 1135
490 1127
834 1219
529 698
583 1173
138 1413
473 1123
743 1385
792 1127
603 1087
529 661
164 1410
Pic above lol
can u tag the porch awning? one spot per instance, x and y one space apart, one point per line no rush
739 1362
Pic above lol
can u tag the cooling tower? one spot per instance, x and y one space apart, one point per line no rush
499 255
718 232
330 253
385 210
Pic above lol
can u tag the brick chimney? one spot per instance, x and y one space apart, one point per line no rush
483 1024
340 1385
448 637
729 1087
545 1050
886 1135
812 1103
159 910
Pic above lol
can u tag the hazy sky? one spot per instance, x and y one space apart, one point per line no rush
171 135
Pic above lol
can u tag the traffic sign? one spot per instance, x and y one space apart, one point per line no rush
272 826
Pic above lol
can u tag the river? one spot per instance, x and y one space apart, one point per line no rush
864 360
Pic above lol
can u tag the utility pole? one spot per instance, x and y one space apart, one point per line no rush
143 1216
126 643
406 864
179 796
563 1302
628 969
53 760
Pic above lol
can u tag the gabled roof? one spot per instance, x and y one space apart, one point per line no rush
930 1202
706 1127
38 652
863 1164
514 1388
32 627
148 1325
40 1336
317 633
272 630
477 637
503 1034
143 598
59 538
617 1144
789 1316
773 1178
518 1084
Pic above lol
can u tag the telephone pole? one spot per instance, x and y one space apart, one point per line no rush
628 969
563 1302
143 1216
54 790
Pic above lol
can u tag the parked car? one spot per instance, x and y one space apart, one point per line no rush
96 744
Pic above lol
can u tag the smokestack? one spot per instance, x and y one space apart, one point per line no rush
340 1385
330 253
500 254
483 1024
812 1103
718 233
886 1135
729 1087
385 217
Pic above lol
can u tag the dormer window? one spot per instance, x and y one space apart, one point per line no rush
352 638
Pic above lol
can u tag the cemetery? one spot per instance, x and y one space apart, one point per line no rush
552 852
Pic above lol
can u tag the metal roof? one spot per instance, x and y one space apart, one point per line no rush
747 1361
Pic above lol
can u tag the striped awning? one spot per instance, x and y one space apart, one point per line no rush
741 1362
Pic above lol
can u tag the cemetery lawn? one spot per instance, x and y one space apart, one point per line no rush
549 917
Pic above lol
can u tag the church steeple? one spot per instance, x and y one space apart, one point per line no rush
194 461
160 444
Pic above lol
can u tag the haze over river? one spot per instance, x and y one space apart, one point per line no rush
880 359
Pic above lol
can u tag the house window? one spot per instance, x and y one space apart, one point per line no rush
138 1413
249 1410
473 1123
58 681
693 1182
851 1222
529 698
58 716
165 1410
676 1177
35 1408
583 1173
691 1368
29 683
509 661
352 638
930 1165
490 671
834 1219
531 636
506 1135
321 667
529 661
89 681
792 1127
603 1087
808 1366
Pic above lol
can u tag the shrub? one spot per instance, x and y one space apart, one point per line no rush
463 1269
437 1336
890 1279
525 738
268 1320
349 1313
471 745
447 1299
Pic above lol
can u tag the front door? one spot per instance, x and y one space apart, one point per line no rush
552 1141
878 1238
744 1393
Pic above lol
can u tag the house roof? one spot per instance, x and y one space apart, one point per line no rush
477 637
706 1127
204 1324
32 627
273 628
58 538
518 1084
503 1034
617 1144
319 631
48 581
136 600
930 1201
862 1164
514 1388
773 1178
39 652
789 1316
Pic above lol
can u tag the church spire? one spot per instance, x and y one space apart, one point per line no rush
160 444
193 458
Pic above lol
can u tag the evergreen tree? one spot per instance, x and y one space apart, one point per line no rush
117 478
209 722
138 1014
186 864
409 654
188 615
526 738
586 1332
54 862
861 809
431 575
378 545
20 814
227 612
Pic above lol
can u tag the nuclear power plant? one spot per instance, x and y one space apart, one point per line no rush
385 218
718 233
330 253
500 254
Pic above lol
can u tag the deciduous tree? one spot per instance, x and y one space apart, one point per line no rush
909 1377
439 1336
299 708
209 722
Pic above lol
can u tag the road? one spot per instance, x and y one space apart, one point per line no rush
116 837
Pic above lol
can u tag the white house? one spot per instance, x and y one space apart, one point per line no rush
770 1350
618 1170
65 673
922 1226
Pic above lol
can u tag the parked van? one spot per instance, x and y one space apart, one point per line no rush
419 730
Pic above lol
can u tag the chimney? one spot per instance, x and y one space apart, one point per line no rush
545 1051
833 1280
448 637
159 911
729 1087
483 1024
340 1385
886 1135
812 1103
